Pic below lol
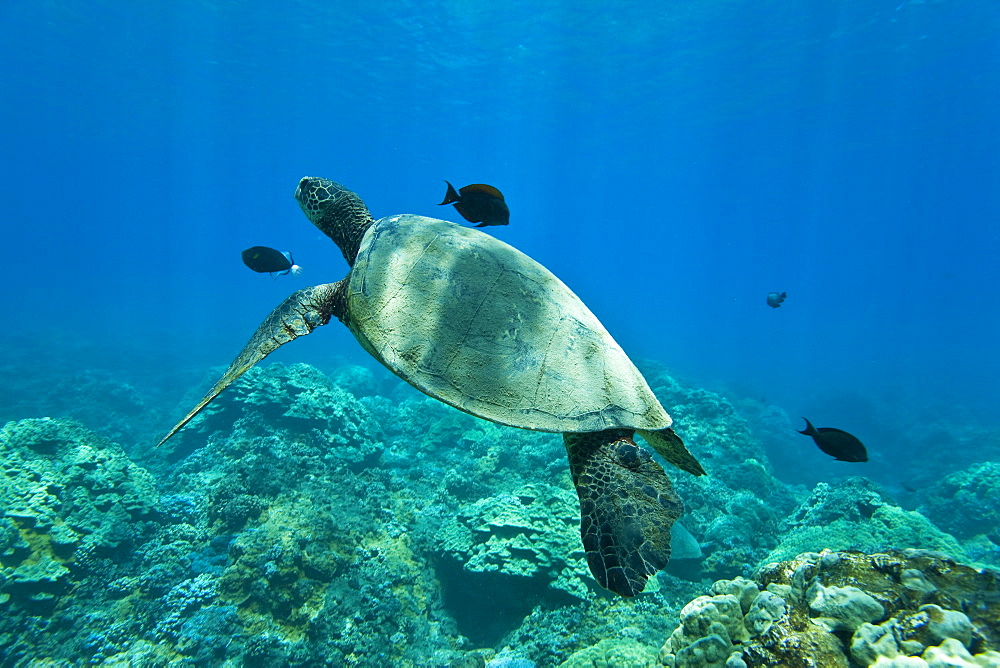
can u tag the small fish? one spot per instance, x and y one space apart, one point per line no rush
479 203
683 545
774 299
837 443
266 260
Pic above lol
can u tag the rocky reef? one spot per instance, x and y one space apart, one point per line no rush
341 518
73 503
966 503
899 608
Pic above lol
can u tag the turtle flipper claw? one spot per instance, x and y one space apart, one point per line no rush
627 507
297 316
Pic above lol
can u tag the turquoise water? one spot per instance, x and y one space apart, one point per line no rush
673 164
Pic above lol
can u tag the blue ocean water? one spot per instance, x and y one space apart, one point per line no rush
673 163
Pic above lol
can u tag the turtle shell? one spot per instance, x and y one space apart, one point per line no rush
470 320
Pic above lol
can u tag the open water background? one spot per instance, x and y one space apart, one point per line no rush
672 162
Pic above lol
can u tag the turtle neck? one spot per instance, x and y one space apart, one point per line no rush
338 213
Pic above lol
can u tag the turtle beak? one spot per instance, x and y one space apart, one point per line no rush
301 189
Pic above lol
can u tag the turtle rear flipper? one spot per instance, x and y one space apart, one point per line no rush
670 446
627 507
298 315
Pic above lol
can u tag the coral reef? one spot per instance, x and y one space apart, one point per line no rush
855 515
832 608
299 399
69 498
967 503
533 532
735 510
613 652
345 519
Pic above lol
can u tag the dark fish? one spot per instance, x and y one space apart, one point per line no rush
266 260
479 203
774 299
837 443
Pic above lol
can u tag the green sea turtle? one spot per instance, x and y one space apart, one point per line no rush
475 323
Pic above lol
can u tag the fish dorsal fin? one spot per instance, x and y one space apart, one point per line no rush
481 188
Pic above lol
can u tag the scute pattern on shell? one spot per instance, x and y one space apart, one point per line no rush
479 325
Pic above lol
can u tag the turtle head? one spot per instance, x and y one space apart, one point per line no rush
338 212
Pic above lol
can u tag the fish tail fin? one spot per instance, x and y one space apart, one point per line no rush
809 430
451 196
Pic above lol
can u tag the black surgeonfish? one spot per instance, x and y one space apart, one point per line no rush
479 203
774 299
837 443
266 260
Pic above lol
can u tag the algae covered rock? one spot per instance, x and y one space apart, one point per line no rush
818 610
533 532
67 495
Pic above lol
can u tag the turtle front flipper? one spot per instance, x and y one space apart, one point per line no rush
297 316
627 506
